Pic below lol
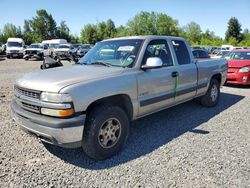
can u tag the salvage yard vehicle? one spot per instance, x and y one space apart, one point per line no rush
36 50
200 54
14 47
239 67
92 103
83 50
62 51
1 48
53 43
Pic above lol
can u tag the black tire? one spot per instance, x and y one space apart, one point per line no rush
93 140
211 98
26 59
8 56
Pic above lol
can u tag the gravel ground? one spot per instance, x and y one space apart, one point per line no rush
185 146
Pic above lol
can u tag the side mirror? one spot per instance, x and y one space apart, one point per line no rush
152 63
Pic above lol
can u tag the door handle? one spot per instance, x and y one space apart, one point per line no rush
175 74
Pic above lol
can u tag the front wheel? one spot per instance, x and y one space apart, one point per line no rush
105 132
211 98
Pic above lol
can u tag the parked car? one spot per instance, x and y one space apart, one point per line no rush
196 47
239 67
15 47
92 103
220 54
53 44
1 48
62 51
200 54
74 48
36 51
83 50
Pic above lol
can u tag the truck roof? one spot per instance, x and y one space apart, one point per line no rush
144 37
58 41
15 40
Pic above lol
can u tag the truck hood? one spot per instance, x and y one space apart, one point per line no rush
14 48
238 63
30 49
53 80
61 50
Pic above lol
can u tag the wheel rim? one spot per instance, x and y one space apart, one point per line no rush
214 93
109 133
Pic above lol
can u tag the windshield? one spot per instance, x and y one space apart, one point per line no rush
53 45
75 45
84 47
63 46
14 44
36 46
122 53
240 55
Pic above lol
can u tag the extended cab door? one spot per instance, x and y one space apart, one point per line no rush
156 87
186 75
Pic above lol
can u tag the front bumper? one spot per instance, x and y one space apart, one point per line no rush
32 56
242 78
64 132
11 54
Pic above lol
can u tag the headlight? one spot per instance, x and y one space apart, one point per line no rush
55 97
244 69
57 113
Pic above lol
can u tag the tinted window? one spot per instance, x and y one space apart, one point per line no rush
181 52
158 48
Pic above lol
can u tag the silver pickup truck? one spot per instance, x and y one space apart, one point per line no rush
91 103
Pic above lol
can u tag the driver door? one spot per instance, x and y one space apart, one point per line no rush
156 87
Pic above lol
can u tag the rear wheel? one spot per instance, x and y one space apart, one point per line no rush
212 96
105 132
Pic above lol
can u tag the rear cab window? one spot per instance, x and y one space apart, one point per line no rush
181 52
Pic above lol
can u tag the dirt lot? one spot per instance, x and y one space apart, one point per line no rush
185 146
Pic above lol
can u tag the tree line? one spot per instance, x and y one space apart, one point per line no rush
44 27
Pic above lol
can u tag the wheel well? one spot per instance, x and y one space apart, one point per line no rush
122 100
217 77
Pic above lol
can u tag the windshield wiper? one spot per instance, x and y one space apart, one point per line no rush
101 63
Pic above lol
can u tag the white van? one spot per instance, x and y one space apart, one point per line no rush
14 47
53 43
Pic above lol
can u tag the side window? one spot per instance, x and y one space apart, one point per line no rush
158 48
181 52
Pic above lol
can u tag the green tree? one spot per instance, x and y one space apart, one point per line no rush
143 24
193 32
233 30
246 39
152 23
101 27
110 29
63 31
27 32
89 34
43 26
165 25
10 30
122 31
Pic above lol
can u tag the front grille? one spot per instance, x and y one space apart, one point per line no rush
30 107
14 51
31 52
28 93
232 70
